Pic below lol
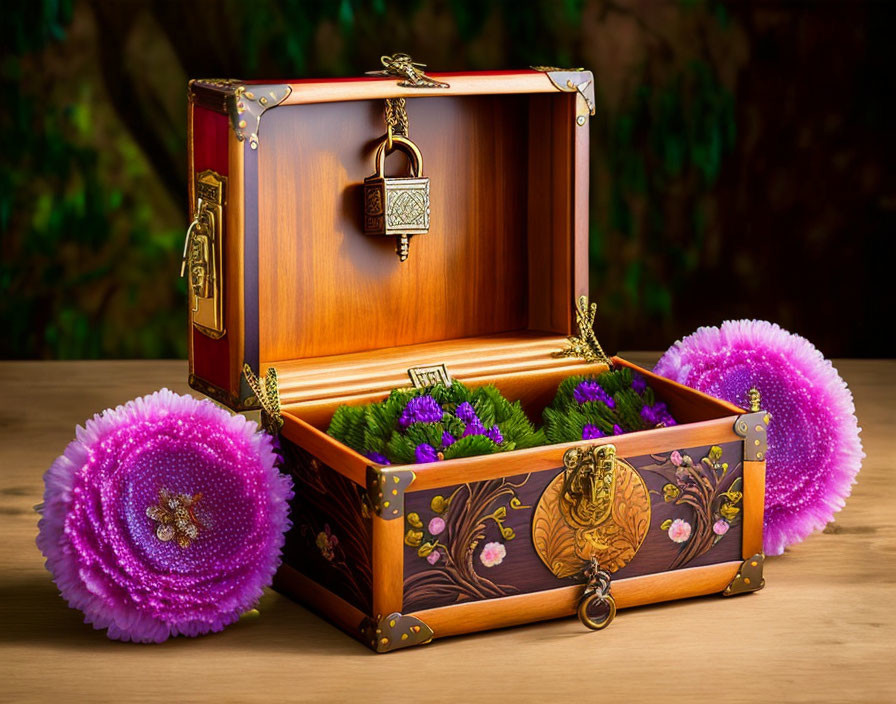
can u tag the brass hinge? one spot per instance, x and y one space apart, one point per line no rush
403 66
267 392
585 344
753 428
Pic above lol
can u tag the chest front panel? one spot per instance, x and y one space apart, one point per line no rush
514 535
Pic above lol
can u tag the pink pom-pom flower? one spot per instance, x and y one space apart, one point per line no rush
814 450
164 516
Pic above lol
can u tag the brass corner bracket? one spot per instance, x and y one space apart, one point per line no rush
245 104
753 428
385 490
748 578
403 66
387 633
267 392
585 344
574 80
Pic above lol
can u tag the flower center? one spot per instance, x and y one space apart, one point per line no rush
175 516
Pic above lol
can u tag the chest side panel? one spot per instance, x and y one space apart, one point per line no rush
517 535
330 540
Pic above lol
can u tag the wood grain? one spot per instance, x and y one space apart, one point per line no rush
821 630
339 377
495 82
326 288
754 507
557 603
388 565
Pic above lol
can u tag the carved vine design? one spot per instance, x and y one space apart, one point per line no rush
342 541
709 494
450 537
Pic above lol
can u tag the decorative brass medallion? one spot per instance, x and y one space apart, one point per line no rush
597 508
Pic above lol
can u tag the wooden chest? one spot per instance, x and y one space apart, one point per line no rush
282 276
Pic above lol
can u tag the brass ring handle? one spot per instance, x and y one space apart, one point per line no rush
586 601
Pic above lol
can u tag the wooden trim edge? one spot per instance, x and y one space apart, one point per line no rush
753 507
387 561
459 619
320 600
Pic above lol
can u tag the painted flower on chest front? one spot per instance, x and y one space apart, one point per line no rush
493 554
679 530
457 538
709 492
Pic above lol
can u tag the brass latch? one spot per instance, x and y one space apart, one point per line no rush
586 502
202 257
597 607
425 376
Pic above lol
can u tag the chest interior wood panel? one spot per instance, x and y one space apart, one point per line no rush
499 253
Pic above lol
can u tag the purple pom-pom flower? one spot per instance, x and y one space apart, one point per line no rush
466 413
592 391
420 409
494 434
424 452
165 516
477 428
591 432
657 416
814 450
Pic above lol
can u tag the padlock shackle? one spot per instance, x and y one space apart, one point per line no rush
403 144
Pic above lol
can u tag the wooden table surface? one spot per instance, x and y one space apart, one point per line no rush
821 630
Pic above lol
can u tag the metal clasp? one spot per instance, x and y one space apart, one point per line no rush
202 257
596 594
589 485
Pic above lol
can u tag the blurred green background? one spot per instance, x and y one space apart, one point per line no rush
742 159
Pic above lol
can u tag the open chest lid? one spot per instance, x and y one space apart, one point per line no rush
288 278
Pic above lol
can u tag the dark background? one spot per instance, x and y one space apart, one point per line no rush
741 163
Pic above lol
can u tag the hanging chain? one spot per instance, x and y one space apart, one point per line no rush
396 117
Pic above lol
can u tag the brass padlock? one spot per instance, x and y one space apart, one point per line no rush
397 206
